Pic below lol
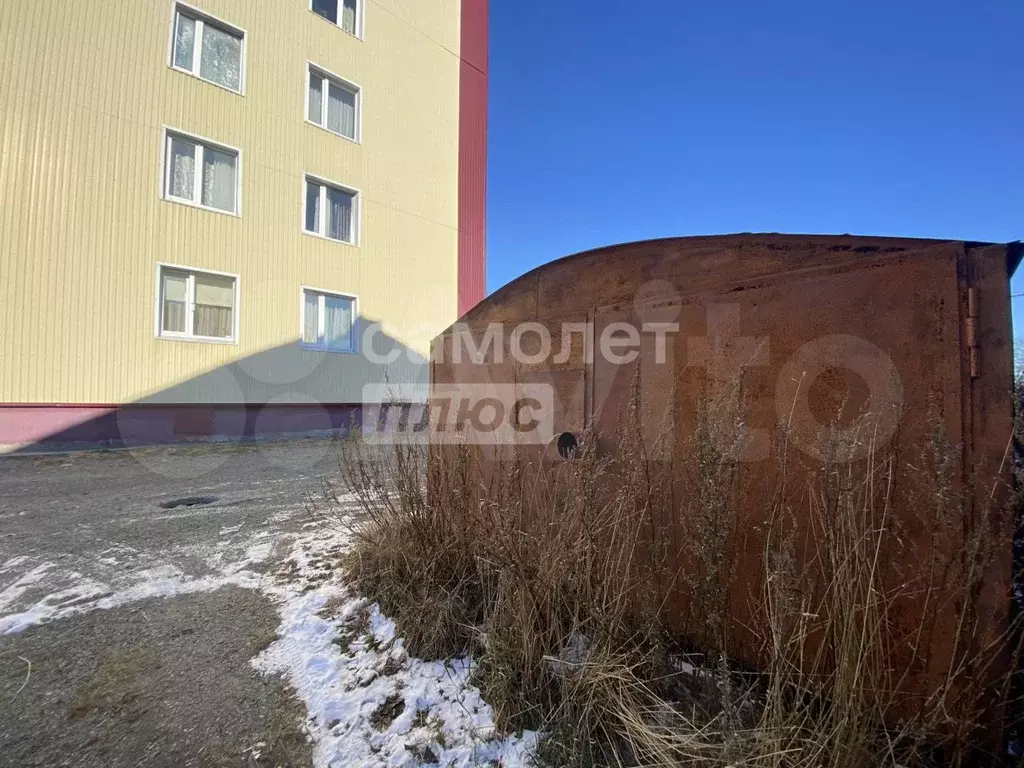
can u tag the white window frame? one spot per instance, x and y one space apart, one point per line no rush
322 292
360 18
197 182
357 208
202 18
348 85
188 335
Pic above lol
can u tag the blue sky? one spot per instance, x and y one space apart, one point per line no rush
615 121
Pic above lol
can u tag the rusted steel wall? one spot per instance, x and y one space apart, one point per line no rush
862 333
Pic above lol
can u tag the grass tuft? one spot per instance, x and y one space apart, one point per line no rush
602 598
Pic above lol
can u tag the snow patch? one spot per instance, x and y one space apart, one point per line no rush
14 592
14 562
438 715
257 553
342 657
85 595
368 702
286 514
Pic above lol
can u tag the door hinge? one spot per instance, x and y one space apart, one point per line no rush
971 332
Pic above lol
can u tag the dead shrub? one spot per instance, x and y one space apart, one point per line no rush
565 583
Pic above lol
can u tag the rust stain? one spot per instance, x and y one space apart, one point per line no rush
839 326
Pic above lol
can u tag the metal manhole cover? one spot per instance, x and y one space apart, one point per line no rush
188 501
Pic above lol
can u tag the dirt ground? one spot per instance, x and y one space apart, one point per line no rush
149 681
163 682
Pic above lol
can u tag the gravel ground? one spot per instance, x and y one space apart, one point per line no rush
149 681
164 682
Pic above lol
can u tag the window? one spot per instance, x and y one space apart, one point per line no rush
208 49
349 10
333 104
201 173
331 212
328 321
197 305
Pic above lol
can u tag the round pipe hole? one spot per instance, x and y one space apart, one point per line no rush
567 445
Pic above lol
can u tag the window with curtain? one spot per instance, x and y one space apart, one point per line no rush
328 321
311 318
197 305
349 11
326 8
344 13
201 174
174 286
214 306
333 104
208 49
331 211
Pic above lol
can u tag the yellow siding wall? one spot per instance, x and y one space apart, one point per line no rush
85 93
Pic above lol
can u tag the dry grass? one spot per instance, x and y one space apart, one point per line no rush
568 584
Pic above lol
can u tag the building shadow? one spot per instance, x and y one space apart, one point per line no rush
287 390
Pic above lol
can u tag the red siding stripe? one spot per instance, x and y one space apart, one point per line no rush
472 154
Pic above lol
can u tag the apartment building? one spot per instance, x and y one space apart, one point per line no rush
224 218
